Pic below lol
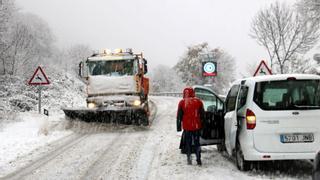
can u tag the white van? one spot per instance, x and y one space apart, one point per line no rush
275 117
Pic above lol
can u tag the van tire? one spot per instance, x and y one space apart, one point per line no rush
242 164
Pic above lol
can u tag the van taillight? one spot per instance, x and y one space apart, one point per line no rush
250 119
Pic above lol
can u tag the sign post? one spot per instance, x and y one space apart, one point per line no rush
39 78
39 89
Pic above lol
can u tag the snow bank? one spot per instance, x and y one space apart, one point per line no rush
19 139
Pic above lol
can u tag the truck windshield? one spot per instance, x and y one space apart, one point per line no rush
288 95
112 68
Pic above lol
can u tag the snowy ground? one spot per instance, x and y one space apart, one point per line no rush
92 151
28 132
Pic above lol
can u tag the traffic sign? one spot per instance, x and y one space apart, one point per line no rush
262 69
39 78
209 68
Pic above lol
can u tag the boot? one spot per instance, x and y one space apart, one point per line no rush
189 160
199 163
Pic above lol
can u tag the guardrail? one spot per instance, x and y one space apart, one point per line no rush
173 94
177 94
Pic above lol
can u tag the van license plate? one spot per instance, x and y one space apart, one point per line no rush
296 138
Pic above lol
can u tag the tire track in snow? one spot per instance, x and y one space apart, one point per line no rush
121 167
151 147
68 143
77 160
120 160
119 164
104 159
116 160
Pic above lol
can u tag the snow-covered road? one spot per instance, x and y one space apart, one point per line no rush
135 153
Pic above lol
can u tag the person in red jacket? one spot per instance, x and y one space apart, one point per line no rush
190 115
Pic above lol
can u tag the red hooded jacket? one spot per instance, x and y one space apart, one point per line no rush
190 111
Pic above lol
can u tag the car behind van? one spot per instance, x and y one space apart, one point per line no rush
273 117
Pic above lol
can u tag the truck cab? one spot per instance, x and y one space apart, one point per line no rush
111 75
116 86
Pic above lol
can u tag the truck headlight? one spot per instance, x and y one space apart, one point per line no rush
91 105
136 102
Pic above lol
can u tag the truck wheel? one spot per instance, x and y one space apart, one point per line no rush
145 121
242 164
142 118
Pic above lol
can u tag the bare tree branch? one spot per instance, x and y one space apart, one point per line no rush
285 33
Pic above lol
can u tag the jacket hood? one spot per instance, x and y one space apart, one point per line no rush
188 92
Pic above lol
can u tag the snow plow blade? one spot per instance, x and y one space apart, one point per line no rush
127 116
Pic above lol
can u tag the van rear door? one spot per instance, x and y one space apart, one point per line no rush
231 123
287 116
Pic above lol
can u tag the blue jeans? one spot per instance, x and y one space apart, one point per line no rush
193 139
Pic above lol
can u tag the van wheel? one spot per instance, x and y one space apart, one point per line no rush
242 164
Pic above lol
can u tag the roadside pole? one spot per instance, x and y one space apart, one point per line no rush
39 89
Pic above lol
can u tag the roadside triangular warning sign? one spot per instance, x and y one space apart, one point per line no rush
39 78
262 69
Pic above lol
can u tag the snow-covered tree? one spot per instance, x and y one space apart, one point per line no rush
7 11
250 69
310 9
26 41
68 59
29 44
226 71
76 54
301 65
189 67
285 33
165 79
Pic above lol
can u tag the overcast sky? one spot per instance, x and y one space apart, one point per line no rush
162 29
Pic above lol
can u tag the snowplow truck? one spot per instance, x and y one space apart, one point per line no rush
117 89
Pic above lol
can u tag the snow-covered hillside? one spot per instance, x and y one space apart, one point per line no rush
17 96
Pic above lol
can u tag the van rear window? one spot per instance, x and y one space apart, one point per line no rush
288 94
